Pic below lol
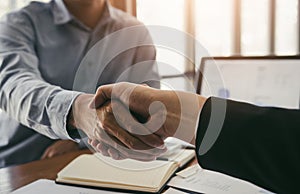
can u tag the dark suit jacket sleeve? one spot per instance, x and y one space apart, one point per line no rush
261 145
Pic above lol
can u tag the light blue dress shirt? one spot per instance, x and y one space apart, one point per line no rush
41 47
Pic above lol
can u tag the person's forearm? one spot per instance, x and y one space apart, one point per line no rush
26 97
81 116
190 106
201 102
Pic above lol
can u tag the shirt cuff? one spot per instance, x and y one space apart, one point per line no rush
59 110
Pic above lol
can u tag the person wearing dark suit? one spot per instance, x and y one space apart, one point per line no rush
257 144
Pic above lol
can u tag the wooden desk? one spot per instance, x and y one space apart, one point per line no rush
12 178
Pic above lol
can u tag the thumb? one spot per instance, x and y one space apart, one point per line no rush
102 95
134 96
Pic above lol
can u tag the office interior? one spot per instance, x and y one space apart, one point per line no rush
224 28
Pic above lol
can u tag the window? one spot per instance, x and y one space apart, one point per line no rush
169 13
229 27
214 26
223 27
4 7
255 28
153 12
287 27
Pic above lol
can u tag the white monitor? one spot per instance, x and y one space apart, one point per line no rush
262 81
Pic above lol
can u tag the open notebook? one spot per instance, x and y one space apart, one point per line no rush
99 171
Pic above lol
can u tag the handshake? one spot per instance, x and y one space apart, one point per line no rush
126 120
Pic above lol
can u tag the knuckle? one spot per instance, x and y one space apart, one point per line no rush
108 108
94 144
106 123
99 90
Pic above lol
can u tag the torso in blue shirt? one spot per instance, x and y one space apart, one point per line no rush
59 42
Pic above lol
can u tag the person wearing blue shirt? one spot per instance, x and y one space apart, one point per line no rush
41 47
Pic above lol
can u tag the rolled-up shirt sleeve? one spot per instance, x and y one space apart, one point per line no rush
24 94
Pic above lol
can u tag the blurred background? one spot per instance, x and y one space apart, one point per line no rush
223 27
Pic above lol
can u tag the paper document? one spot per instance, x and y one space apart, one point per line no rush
44 186
173 191
206 181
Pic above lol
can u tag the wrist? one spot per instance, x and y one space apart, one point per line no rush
70 120
80 112
71 128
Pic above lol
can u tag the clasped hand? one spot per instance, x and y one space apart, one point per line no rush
107 136
131 121
138 118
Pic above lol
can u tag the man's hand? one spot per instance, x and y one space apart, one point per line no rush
60 147
168 113
103 130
